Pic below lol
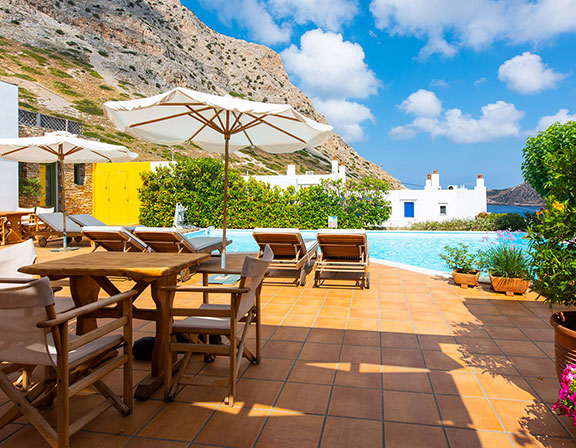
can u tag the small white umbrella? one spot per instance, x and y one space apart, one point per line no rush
62 147
184 115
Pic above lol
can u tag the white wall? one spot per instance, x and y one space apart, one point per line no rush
460 203
291 179
8 129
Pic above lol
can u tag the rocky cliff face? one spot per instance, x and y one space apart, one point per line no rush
522 194
118 49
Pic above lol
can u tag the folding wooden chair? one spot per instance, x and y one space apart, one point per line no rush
32 334
231 321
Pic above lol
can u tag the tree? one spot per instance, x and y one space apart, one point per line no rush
549 160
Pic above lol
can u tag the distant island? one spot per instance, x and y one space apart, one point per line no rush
521 195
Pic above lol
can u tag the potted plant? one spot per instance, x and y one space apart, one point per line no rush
465 271
508 267
549 166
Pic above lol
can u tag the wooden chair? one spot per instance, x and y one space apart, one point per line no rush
170 239
114 239
231 321
344 255
32 334
291 252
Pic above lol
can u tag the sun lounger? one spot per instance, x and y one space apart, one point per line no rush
114 239
170 239
344 256
292 253
85 220
50 225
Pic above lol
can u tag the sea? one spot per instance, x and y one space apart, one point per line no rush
520 209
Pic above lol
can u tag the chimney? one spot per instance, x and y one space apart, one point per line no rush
334 165
435 180
480 182
428 182
342 170
291 170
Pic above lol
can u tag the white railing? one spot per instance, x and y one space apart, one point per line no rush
38 120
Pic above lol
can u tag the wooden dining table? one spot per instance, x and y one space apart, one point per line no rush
89 273
14 219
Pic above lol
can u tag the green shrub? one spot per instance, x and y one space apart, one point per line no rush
198 184
505 260
459 257
88 107
24 76
510 221
59 73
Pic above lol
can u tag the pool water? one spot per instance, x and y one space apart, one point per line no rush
417 249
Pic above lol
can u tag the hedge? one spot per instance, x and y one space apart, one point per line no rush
199 183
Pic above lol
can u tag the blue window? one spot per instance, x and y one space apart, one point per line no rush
408 209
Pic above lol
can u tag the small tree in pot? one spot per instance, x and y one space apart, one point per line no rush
549 166
508 267
464 266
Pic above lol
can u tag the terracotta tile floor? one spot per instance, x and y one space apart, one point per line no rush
412 362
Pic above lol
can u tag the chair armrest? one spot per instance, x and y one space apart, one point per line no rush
86 309
208 289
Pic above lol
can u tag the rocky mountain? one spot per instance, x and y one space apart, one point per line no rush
69 56
522 194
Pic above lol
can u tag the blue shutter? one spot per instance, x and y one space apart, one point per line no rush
409 209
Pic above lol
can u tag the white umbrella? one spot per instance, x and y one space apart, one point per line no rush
62 147
184 115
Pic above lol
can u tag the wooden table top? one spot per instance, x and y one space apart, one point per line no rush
234 262
134 265
14 213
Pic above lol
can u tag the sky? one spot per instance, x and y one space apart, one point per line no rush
422 85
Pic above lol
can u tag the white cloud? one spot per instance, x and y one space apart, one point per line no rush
252 16
422 103
562 116
439 83
328 14
527 74
450 24
346 117
332 71
329 67
497 120
480 81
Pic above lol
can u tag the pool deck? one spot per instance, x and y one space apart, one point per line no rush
412 362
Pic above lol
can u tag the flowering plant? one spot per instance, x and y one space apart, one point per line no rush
566 404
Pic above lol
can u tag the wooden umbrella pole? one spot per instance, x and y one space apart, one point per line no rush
225 222
63 194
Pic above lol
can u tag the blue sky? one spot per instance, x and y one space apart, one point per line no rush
422 85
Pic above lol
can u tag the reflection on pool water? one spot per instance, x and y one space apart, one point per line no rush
418 249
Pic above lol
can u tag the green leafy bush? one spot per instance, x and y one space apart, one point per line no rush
199 183
459 257
509 221
505 260
88 107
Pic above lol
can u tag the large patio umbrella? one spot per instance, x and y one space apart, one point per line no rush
62 147
217 124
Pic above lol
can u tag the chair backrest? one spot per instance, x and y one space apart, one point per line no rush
340 243
54 221
14 257
84 220
164 239
26 209
253 272
114 239
22 306
44 209
285 243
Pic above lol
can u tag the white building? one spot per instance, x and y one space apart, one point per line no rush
436 204
303 180
8 129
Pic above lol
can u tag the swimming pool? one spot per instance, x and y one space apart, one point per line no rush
416 249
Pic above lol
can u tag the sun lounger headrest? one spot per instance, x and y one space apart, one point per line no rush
100 229
156 229
275 230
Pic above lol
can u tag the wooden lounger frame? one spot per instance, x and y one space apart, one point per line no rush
290 253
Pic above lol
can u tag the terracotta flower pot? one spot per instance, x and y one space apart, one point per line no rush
564 324
465 280
510 286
